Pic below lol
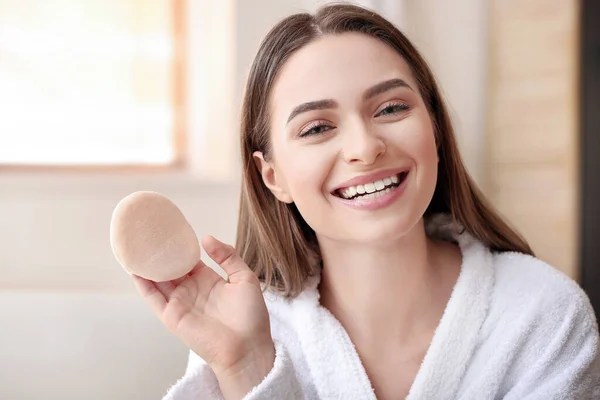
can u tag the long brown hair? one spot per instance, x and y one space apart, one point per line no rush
272 237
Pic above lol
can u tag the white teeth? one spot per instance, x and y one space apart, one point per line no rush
369 190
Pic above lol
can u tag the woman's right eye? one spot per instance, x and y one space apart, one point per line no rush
316 128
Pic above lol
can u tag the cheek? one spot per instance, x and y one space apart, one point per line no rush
306 169
426 160
426 150
419 144
306 177
426 142
417 141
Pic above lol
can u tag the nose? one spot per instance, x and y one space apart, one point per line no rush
362 145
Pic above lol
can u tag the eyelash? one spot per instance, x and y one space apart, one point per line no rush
320 124
400 106
313 126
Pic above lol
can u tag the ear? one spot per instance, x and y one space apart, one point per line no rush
269 177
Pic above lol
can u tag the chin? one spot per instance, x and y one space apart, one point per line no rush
379 232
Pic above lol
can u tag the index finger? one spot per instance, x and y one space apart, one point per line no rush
151 295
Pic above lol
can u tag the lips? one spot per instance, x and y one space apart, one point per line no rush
371 185
379 186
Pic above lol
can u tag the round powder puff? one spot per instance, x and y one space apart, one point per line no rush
151 238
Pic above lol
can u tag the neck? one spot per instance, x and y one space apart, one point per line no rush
398 288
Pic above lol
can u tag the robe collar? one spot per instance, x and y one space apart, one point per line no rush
334 363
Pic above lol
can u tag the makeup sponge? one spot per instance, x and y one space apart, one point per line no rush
151 238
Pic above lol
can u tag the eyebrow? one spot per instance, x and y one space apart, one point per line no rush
384 87
329 103
311 106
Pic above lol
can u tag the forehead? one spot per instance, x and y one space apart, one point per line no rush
339 67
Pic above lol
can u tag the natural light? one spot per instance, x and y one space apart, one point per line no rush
87 82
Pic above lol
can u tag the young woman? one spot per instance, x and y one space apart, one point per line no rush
368 264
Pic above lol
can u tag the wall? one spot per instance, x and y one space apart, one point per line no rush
453 37
533 134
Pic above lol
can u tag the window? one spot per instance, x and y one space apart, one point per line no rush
91 82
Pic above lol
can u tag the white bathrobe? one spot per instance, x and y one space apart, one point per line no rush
514 328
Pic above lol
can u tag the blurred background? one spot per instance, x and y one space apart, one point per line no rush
101 98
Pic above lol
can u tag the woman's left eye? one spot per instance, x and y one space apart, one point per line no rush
391 109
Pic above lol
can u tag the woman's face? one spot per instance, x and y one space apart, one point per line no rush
351 139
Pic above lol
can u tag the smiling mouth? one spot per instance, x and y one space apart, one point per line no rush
373 189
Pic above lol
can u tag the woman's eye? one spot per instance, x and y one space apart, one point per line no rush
392 109
315 129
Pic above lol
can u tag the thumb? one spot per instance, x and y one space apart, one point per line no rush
226 256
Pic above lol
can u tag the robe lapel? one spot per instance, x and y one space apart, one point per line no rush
334 364
455 338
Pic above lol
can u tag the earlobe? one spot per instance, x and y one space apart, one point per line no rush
270 179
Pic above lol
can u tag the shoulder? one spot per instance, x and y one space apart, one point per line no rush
540 333
282 317
542 298
524 279
288 311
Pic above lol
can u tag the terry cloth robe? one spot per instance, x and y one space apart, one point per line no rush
514 328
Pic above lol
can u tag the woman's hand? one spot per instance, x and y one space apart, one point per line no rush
225 322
